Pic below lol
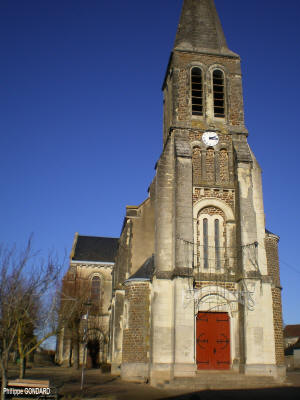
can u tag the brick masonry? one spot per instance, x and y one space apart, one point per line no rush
271 243
227 195
210 165
196 159
224 166
231 286
136 335
212 211
233 84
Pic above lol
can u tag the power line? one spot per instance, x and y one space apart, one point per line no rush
290 266
255 244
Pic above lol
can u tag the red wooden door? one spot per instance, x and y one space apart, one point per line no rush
213 341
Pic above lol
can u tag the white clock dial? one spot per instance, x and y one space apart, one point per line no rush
210 138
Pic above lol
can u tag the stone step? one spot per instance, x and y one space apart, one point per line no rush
226 380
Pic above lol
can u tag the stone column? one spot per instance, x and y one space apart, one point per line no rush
164 211
183 310
162 309
117 332
183 206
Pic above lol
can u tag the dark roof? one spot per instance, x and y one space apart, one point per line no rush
145 272
269 232
291 331
92 248
200 28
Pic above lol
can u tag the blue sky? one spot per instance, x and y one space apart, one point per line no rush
81 114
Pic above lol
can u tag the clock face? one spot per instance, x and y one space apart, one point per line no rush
210 138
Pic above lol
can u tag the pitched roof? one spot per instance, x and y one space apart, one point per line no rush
291 331
145 272
93 248
200 28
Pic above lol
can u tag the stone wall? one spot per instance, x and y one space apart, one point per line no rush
136 242
77 285
123 259
182 63
231 286
136 334
227 195
271 243
143 234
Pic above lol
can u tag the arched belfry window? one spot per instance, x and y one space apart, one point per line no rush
197 91
219 93
95 289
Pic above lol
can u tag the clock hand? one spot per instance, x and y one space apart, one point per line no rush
213 137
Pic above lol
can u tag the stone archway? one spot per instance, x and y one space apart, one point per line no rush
215 303
96 348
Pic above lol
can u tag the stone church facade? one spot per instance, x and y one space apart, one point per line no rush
195 278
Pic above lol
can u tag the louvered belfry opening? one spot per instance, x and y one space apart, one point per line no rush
197 91
219 91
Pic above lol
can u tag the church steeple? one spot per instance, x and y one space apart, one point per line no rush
200 29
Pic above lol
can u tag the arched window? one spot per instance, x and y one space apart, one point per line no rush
197 91
219 93
95 289
205 243
211 240
217 244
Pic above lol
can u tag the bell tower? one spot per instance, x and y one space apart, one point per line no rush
202 86
210 237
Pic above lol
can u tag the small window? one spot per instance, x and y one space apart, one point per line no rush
126 315
217 244
95 289
205 242
219 91
197 91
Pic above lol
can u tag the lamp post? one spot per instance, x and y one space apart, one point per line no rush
86 319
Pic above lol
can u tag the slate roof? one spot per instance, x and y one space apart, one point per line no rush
93 248
145 272
291 331
200 28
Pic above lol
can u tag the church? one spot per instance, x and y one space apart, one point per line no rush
192 283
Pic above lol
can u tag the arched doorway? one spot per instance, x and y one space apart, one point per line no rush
93 348
96 348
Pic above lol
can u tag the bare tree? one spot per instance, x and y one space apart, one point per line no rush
76 302
75 298
28 304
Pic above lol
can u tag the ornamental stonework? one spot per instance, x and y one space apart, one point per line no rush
227 195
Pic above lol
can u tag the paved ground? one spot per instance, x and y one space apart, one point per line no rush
107 387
